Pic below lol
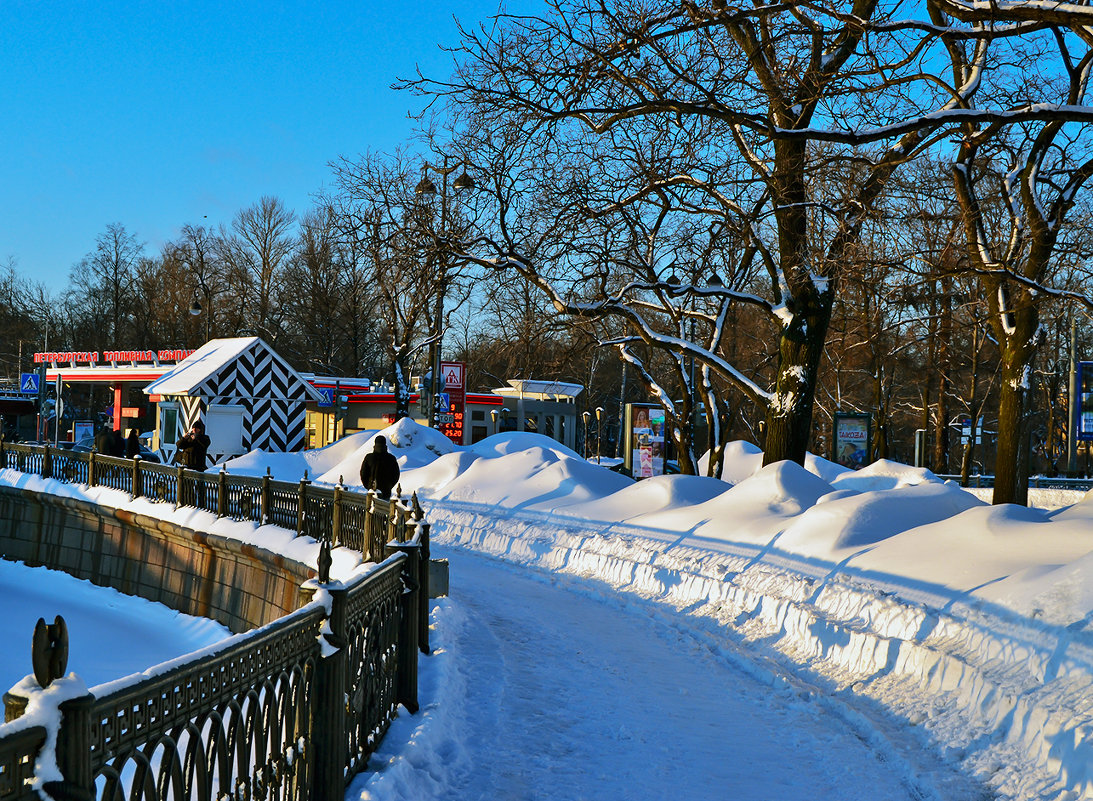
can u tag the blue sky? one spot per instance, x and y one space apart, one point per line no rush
162 113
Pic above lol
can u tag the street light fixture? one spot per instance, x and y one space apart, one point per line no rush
493 416
196 307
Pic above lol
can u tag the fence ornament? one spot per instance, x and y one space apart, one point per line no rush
49 651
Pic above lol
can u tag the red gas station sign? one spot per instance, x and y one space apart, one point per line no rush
450 420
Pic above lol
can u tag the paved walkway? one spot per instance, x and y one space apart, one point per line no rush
553 691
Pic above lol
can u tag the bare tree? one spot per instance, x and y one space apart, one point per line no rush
104 281
764 83
404 242
256 251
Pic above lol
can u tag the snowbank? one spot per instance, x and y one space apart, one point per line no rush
970 620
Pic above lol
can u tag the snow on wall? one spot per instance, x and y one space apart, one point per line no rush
1009 698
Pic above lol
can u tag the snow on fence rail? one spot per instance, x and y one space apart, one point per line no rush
289 711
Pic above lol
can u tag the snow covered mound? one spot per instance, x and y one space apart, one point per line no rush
743 459
740 461
534 478
515 441
414 445
881 475
649 496
852 521
291 466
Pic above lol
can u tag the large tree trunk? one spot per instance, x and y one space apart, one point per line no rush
789 416
1011 462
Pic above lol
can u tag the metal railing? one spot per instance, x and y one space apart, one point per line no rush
1034 482
287 712
362 521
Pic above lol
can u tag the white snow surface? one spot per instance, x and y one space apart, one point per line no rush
196 368
951 636
110 634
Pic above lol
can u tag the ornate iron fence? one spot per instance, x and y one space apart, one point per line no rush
362 521
288 712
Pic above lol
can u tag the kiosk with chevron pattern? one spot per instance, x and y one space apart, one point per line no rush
245 393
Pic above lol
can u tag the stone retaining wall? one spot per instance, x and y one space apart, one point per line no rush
238 585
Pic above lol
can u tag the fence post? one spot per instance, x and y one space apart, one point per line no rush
264 501
423 530
408 628
74 751
179 495
328 719
301 506
376 526
222 492
137 488
336 516
47 463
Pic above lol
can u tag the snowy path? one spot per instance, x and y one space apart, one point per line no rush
552 690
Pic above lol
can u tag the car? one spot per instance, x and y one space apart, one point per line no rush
87 444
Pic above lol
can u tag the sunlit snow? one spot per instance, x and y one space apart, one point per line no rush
890 596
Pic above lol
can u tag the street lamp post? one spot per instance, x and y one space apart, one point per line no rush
586 415
196 309
427 187
599 432
493 416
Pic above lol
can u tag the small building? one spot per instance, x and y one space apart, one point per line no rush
546 407
247 396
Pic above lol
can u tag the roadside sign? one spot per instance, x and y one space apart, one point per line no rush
28 383
453 374
453 402
328 397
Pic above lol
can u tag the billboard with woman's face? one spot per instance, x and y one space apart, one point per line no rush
645 444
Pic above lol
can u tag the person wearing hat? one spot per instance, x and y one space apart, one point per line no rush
193 448
379 470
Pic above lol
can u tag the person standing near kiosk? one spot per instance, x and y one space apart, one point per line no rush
193 448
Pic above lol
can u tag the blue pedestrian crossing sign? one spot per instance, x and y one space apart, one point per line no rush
28 383
328 396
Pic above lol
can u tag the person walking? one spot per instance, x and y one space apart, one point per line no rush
132 444
379 470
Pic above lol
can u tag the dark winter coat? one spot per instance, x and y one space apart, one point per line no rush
132 445
379 470
193 450
117 445
104 441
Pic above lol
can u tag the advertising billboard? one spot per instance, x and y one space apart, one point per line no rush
851 439
1085 401
645 445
